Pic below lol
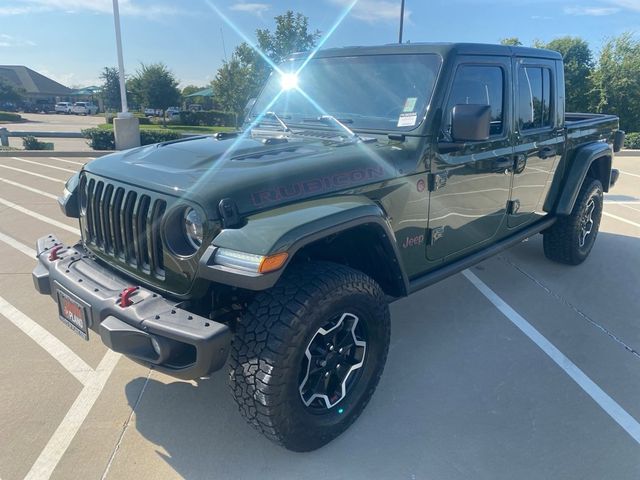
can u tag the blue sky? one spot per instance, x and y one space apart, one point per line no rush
72 40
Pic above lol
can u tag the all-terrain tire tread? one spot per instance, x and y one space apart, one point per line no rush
270 333
559 241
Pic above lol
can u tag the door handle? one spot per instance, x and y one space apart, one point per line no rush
547 152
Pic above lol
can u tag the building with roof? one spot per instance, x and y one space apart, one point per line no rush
38 89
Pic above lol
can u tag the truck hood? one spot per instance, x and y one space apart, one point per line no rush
252 173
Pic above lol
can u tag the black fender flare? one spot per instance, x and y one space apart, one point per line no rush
583 159
295 226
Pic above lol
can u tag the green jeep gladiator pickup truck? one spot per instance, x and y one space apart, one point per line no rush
361 175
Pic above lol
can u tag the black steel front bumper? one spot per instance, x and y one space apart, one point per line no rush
152 330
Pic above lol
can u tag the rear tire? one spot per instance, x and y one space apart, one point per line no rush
308 354
572 237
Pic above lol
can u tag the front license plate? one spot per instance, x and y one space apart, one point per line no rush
73 314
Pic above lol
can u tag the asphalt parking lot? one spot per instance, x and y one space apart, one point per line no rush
516 369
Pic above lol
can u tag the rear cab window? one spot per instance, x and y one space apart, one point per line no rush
534 98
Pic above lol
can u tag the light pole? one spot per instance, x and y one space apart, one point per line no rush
123 91
401 21
126 128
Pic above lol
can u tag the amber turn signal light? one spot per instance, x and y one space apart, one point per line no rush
273 262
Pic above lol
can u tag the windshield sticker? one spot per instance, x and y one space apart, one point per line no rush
410 104
407 119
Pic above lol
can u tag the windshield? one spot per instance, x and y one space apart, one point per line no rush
382 92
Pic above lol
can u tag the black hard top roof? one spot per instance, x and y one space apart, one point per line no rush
444 49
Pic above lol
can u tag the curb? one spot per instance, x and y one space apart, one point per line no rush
628 153
54 153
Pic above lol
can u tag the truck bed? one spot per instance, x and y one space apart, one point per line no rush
589 127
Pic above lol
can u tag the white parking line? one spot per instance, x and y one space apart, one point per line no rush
73 420
54 347
33 214
608 404
21 247
32 173
625 205
31 189
43 164
631 174
620 219
67 161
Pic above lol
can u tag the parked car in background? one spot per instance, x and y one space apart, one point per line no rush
8 107
173 110
39 106
63 107
195 107
173 114
84 108
153 112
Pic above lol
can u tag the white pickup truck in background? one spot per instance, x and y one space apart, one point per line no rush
84 108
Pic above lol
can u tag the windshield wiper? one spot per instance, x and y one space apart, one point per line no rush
330 119
276 117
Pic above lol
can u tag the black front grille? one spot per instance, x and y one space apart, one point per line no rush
123 224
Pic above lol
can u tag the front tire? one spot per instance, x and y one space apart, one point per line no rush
308 354
572 237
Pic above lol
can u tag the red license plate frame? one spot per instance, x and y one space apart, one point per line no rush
73 312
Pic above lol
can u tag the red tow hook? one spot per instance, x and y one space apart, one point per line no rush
53 253
125 296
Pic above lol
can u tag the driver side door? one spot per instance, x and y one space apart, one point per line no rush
471 181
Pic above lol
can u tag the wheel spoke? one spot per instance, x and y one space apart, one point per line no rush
333 355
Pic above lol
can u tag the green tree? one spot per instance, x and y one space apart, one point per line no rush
578 66
233 85
512 41
617 80
110 88
241 77
9 93
154 86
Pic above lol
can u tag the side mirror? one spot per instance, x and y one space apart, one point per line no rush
470 123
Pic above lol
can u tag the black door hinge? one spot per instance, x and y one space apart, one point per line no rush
434 234
438 180
513 206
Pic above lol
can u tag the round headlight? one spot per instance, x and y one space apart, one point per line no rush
193 228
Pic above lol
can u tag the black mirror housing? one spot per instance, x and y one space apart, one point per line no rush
470 123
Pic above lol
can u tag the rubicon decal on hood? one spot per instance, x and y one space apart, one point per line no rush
319 185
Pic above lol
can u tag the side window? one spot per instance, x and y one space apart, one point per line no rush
534 98
478 85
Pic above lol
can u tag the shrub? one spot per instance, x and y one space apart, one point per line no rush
208 118
142 120
105 140
100 139
148 137
10 117
632 140
32 143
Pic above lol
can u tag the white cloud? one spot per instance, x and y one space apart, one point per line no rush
127 7
628 4
373 11
67 79
591 11
257 9
9 41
